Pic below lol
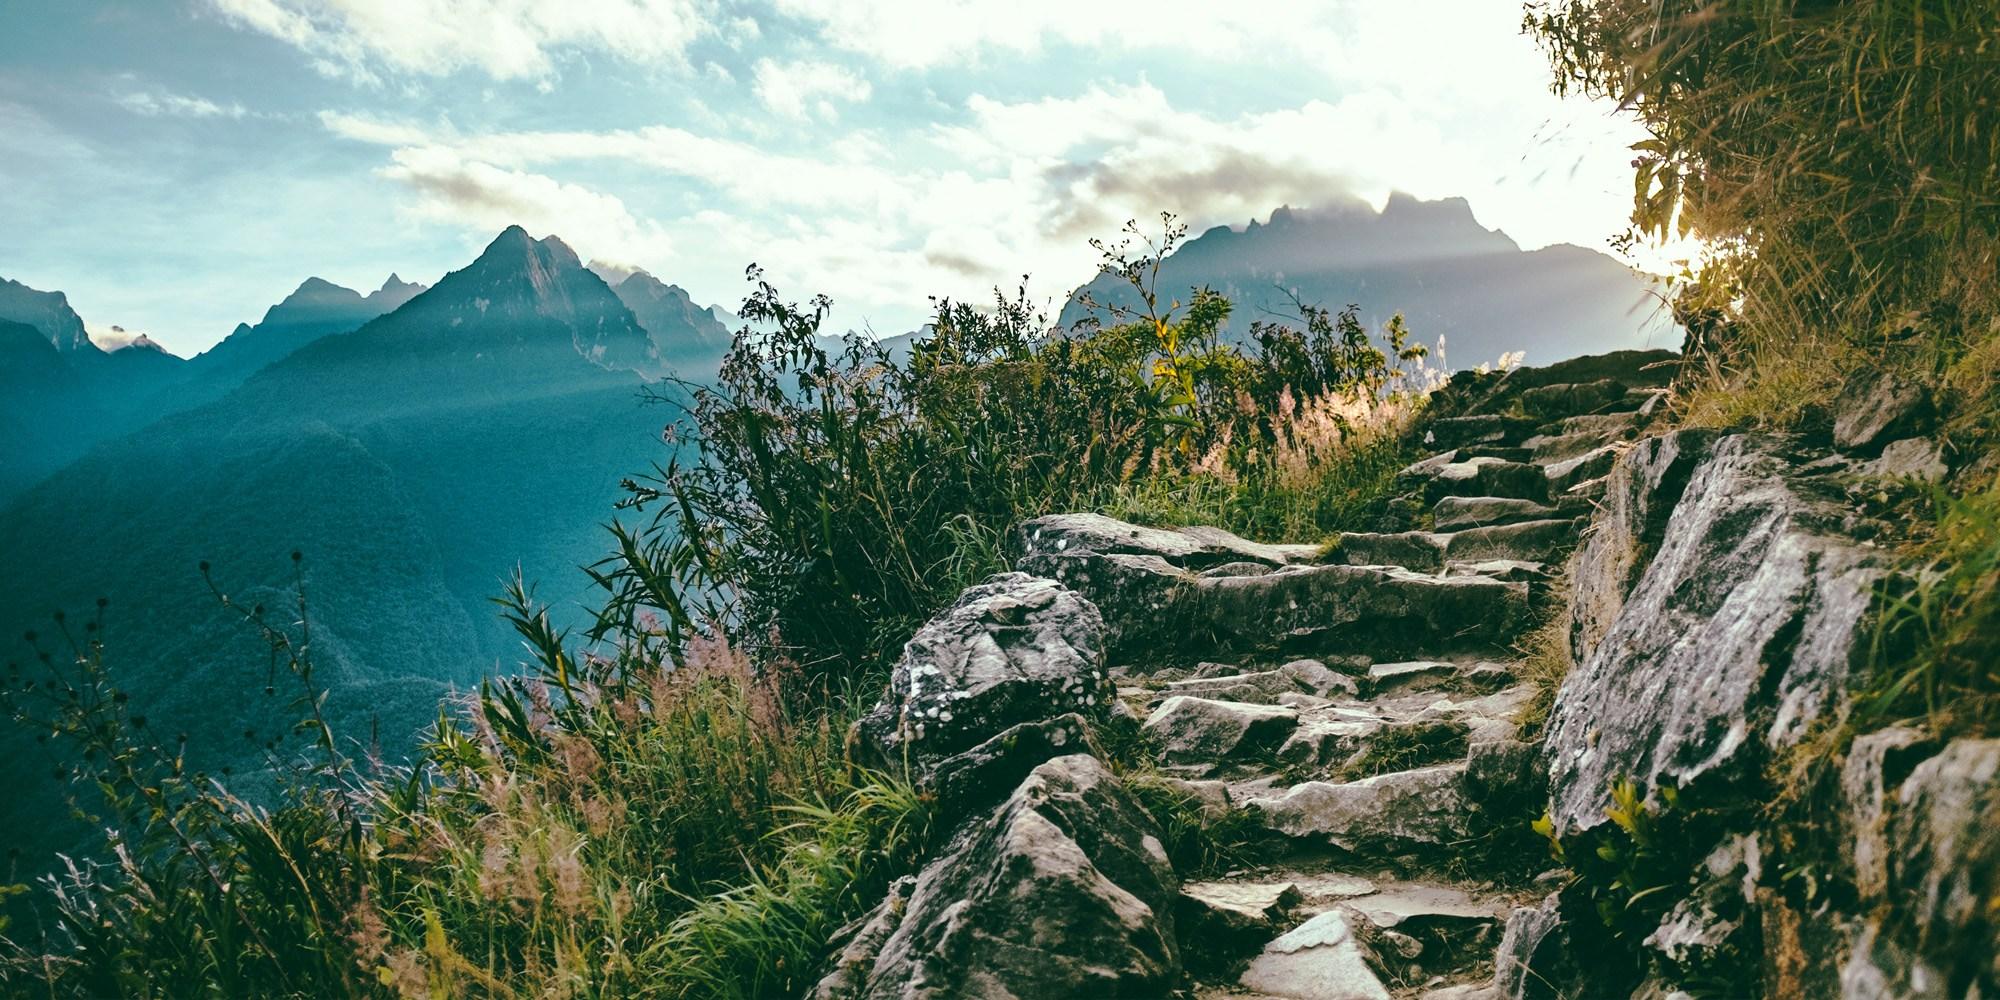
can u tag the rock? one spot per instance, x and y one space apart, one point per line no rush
1742 628
1451 513
856 946
1190 730
971 778
1316 677
1876 763
1413 675
1944 863
1921 459
1641 492
1566 399
1064 890
1536 959
1702 937
1010 650
1396 815
1161 612
1873 410
1320 959
1220 922
1506 777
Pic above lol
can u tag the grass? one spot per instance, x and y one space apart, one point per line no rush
1936 652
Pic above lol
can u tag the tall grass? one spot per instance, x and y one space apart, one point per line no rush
594 827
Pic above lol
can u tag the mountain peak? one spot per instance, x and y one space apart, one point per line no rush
515 249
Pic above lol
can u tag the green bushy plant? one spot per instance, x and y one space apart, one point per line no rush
839 495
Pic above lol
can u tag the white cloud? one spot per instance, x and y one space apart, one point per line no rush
800 90
504 39
155 104
1437 99
488 198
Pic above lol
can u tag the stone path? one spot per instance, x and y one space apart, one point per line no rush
1363 704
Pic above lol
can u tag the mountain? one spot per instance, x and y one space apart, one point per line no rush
90 394
317 308
415 461
688 339
1449 276
41 400
48 312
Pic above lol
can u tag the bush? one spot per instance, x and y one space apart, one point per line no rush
838 496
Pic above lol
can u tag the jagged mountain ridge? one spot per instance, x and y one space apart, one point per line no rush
1430 260
416 461
687 339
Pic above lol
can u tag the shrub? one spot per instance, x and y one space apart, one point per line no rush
838 495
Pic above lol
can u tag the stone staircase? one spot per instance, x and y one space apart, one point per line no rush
1359 712
1385 760
1359 703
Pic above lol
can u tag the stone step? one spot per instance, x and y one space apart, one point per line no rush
1543 541
1572 436
1171 614
1336 934
1402 817
1445 474
1563 399
1594 464
1455 513
1485 428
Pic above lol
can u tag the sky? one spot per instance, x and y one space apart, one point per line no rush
177 166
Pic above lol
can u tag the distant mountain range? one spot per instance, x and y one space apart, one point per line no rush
416 459
1433 262
103 394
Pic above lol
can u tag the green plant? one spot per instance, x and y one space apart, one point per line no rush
837 498
1201 838
1631 869
1936 647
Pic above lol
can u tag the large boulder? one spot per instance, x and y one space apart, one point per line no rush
1063 890
1742 628
1014 649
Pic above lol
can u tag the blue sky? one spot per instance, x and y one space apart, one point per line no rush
177 166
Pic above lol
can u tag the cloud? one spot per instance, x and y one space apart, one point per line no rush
800 90
154 104
488 198
503 39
